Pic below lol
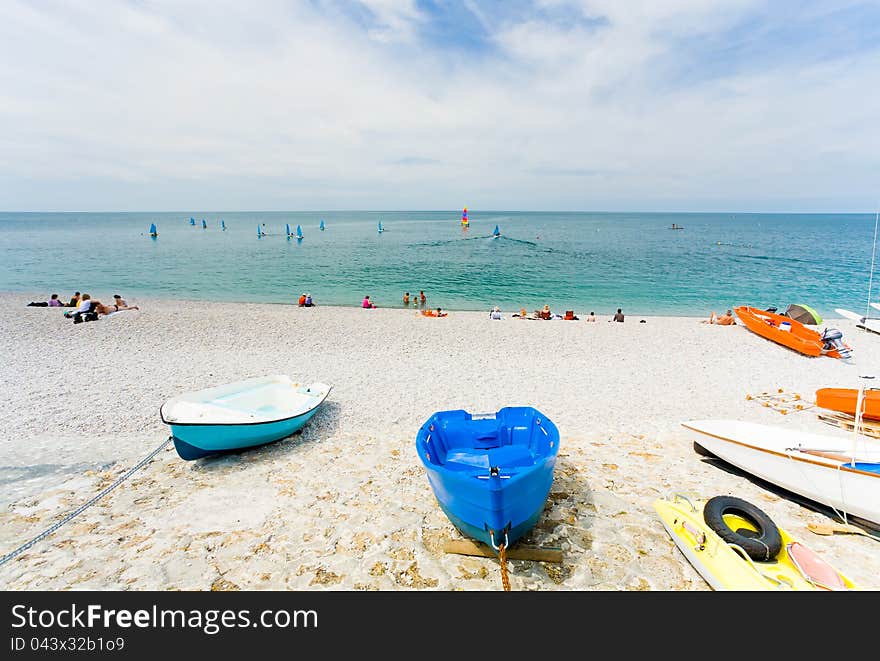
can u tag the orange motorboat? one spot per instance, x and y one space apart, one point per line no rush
792 334
844 401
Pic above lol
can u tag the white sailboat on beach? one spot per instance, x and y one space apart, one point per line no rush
865 323
837 472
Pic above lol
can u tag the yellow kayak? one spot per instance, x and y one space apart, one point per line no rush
735 546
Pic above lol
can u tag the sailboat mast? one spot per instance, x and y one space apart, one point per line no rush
871 274
860 405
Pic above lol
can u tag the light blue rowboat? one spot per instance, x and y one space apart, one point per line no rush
240 415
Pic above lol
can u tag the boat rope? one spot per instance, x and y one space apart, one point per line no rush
143 462
502 557
841 514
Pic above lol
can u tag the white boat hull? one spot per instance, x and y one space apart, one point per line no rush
781 457
866 323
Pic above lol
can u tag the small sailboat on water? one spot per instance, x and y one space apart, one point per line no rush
464 219
380 227
287 231
260 231
204 224
223 225
192 221
153 231
299 232
496 232
321 226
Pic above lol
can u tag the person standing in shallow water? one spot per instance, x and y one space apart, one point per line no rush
406 298
422 298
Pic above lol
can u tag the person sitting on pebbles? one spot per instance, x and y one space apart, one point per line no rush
725 319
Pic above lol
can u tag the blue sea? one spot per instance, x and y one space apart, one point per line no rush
571 261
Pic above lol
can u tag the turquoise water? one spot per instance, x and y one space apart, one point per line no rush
579 261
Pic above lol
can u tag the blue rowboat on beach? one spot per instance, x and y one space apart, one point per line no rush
240 415
490 472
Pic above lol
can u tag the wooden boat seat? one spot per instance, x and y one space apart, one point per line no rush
507 456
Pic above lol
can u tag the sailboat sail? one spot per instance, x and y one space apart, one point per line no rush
496 232
204 224
192 221
287 231
322 225
464 218
223 225
153 231
299 232
380 227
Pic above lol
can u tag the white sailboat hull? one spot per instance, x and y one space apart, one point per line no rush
861 321
790 459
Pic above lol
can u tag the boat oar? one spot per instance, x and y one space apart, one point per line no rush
831 528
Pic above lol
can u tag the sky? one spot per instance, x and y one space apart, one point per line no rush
557 105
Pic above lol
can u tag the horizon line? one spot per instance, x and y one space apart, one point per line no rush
456 210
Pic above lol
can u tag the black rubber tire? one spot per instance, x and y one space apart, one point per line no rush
763 545
699 449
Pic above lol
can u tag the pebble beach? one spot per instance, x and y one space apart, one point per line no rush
346 505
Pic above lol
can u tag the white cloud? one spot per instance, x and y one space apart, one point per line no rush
306 109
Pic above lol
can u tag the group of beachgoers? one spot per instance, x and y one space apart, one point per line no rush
419 301
86 308
546 314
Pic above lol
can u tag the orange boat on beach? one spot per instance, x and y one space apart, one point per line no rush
844 400
791 333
